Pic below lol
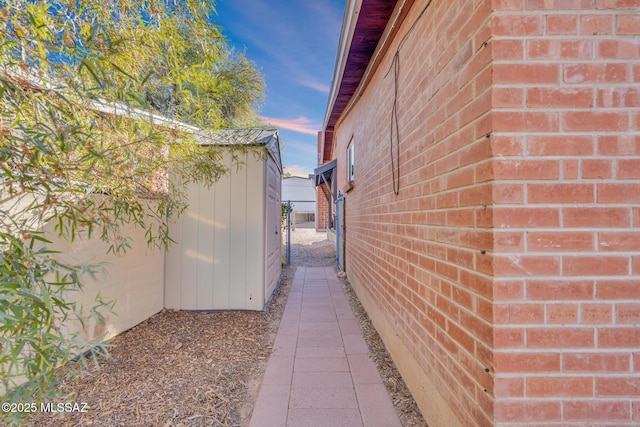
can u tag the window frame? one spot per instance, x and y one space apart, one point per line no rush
350 160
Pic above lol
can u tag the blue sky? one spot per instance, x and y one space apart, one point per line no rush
294 45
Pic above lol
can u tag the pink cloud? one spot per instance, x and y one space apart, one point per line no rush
297 170
300 124
322 88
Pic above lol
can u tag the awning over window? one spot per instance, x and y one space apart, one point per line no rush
323 173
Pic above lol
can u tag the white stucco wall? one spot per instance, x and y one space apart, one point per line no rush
301 191
134 281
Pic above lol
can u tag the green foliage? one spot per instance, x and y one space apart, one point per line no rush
79 149
287 207
32 308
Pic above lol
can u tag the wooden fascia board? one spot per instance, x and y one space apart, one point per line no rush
345 92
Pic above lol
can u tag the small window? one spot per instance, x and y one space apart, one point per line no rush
350 161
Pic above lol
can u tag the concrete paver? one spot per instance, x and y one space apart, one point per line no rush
320 372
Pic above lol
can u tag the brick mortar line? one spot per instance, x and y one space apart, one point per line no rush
556 277
570 61
580 302
613 36
475 272
564 85
595 109
574 253
565 326
530 205
571 12
569 326
520 228
532 228
581 374
528 157
570 351
576 181
492 251
629 205
568 399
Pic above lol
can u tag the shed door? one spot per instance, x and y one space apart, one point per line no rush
273 241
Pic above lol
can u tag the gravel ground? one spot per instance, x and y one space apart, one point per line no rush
204 369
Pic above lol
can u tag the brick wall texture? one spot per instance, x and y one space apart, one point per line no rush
322 201
509 262
322 208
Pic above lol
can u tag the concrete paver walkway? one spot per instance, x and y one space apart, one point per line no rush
320 373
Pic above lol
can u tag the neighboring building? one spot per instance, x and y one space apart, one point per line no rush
301 192
489 157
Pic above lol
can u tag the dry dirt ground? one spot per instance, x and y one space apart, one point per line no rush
204 369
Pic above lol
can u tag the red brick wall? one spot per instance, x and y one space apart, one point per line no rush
322 209
420 253
322 203
566 211
508 265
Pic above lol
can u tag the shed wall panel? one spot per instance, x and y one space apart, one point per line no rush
205 244
172 268
238 244
222 240
219 260
255 232
189 254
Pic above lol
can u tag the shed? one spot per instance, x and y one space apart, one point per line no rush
227 246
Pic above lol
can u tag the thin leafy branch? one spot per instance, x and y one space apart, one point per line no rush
99 103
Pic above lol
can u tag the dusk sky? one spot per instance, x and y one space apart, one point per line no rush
293 44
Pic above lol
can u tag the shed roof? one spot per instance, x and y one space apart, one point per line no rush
267 138
248 136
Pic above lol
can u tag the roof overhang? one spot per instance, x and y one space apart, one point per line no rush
366 35
324 173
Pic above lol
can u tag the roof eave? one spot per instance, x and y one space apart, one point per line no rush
349 21
363 25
